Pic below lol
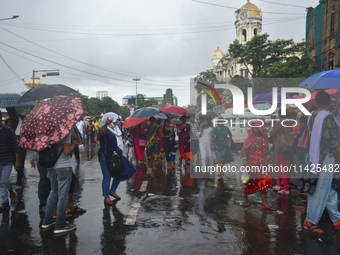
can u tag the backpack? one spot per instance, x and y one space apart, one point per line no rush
49 156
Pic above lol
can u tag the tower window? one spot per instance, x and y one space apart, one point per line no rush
244 33
255 32
332 23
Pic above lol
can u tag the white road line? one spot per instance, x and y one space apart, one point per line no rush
132 217
143 186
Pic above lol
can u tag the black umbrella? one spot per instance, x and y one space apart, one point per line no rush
46 91
145 112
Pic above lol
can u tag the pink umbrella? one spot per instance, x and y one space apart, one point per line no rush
175 109
312 102
130 122
49 122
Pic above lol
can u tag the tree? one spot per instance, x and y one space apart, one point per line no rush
143 102
272 59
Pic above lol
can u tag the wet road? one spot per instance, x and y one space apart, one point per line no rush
164 213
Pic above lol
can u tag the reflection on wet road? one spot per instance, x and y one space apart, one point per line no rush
165 212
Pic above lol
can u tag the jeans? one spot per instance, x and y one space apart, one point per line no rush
5 182
323 197
106 178
60 185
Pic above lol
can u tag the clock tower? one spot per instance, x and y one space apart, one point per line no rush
248 22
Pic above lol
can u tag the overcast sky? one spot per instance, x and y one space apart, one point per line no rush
102 45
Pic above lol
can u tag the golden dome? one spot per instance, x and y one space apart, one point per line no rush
218 52
252 8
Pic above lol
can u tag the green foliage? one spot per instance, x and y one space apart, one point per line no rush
143 102
272 59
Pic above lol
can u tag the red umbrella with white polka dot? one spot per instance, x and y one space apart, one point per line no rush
50 122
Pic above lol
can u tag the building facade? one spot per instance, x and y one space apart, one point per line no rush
248 24
323 34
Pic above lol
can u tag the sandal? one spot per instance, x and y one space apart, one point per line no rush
268 208
277 188
312 227
336 226
108 203
245 203
115 195
76 210
283 192
4 207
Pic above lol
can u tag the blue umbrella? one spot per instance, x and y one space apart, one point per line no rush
262 107
323 80
11 100
268 97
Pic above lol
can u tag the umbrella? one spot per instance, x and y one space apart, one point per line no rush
175 109
11 100
312 102
130 122
49 122
160 116
145 112
176 121
323 80
209 114
46 91
262 107
268 97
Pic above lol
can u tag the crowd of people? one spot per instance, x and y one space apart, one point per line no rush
194 140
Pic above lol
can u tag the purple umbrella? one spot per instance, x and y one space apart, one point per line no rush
268 97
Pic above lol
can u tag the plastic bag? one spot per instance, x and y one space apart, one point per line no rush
244 177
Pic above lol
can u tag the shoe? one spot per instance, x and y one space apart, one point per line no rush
277 188
45 225
283 192
64 229
18 188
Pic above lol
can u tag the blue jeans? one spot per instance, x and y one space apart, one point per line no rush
324 197
5 182
107 178
60 179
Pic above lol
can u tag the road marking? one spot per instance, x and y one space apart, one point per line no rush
143 186
132 217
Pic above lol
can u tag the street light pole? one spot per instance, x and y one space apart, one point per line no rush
47 73
14 17
136 79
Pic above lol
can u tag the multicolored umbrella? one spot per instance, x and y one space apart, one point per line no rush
175 109
161 116
130 122
11 100
145 112
50 122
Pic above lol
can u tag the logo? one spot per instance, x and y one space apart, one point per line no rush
238 99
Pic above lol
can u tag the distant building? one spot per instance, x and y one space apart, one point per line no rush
101 94
322 34
167 98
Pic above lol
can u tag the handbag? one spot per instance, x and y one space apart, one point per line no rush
113 163
304 140
142 141
284 142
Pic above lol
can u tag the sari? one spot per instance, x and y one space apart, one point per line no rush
222 150
137 131
184 142
153 147
169 146
256 149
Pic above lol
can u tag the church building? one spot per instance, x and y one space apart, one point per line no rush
248 24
